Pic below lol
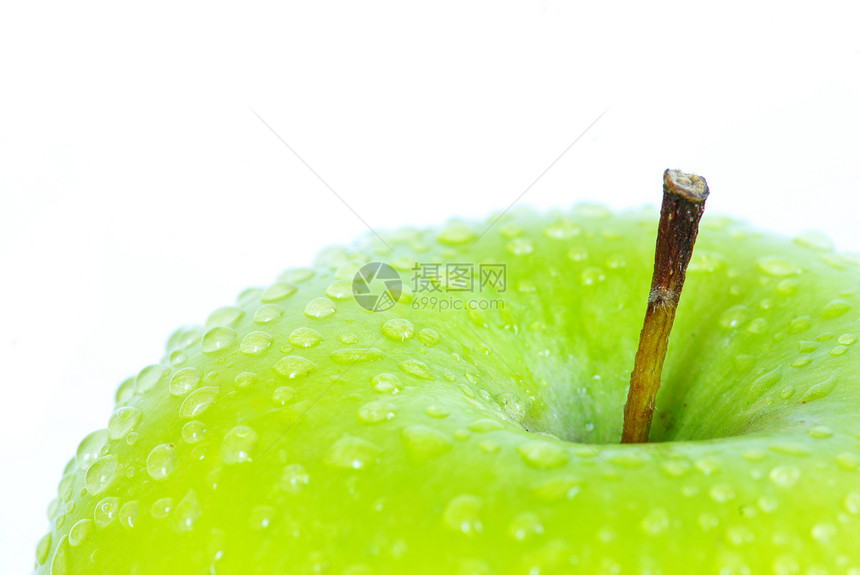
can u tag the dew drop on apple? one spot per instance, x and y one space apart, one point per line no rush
148 377
398 329
246 380
64 489
249 296
80 531
126 390
577 254
184 380
784 475
852 503
349 356
188 512
800 324
847 339
278 291
183 338
520 246
283 395
541 454
777 266
463 514
294 478
814 240
161 462
422 442
101 474
348 339
592 276
734 316
106 511
122 421
128 514
268 313
261 517
820 432
387 383
416 368
217 339
305 337
256 343
721 492
437 411
787 287
43 548
297 275
429 336
376 412
320 308
238 445
525 525
835 308
456 234
352 453
656 522
563 230
848 461
161 508
193 431
198 401
224 316
293 366
90 448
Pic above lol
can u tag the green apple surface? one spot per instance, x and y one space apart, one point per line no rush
299 433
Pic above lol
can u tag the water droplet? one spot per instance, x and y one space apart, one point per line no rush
106 511
800 323
463 514
268 313
787 287
777 266
655 522
305 337
848 461
352 453
734 316
43 548
320 308
283 395
352 355
398 329
784 475
786 392
512 406
852 503
278 291
823 532
148 377
187 512
122 421
294 478
563 230
675 467
293 366
185 380
80 531
348 338
484 425
802 361
577 254
820 432
125 391
91 448
255 343
297 275
224 317
246 380
543 454
100 474
161 461
835 308
128 514
198 401
722 493
814 240
558 488
705 261
437 411
217 339
376 412
806 346
193 431
238 444
429 336
838 350
339 289
456 234
416 368
520 246
525 525
591 276
423 443
161 508
847 339
386 383
819 390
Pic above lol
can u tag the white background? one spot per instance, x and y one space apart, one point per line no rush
139 191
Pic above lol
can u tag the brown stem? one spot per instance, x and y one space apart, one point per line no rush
684 198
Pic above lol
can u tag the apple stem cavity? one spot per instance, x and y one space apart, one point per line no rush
684 198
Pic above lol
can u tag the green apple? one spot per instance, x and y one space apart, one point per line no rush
477 431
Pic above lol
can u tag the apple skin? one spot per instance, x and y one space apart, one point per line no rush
491 444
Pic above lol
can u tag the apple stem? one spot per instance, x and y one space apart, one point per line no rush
684 198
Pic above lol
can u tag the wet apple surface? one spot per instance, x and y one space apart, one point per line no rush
298 432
